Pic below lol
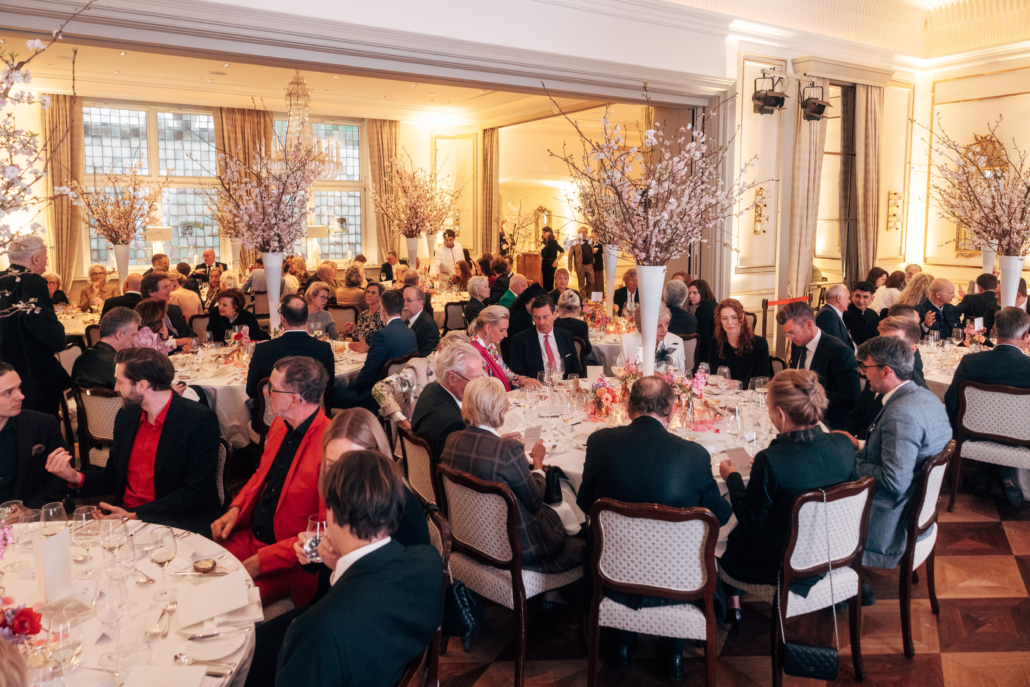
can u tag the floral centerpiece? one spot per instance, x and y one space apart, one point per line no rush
595 317
18 625
627 376
603 396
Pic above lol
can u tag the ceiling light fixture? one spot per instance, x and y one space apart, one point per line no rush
115 71
336 76
226 64
769 100
329 162
122 52
812 109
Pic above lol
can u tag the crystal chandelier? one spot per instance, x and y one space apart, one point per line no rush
329 162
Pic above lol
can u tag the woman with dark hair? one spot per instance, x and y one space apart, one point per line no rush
461 279
889 293
231 313
152 331
483 269
702 306
370 321
877 277
549 256
736 346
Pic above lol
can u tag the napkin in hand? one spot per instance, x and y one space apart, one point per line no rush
165 676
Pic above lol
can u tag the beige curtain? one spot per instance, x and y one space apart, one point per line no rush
868 121
809 141
491 189
241 133
382 148
62 145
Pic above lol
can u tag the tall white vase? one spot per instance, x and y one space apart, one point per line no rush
611 261
273 276
988 253
237 264
412 245
431 243
1011 269
650 281
121 258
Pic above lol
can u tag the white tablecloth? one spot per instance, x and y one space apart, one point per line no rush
22 587
74 326
606 351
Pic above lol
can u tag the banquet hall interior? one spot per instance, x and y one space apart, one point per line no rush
848 171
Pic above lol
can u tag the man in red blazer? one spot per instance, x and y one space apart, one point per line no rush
273 507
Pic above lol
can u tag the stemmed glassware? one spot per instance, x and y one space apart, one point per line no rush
958 334
119 551
53 517
86 533
112 604
29 521
704 367
64 645
722 378
757 389
162 555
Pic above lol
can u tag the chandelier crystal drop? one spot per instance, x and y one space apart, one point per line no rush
328 164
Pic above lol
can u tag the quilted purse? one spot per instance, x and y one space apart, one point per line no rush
552 485
806 660
462 607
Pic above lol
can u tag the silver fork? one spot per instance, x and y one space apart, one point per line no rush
172 606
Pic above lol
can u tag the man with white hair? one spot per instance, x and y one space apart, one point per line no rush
29 340
682 322
515 288
936 313
438 411
831 316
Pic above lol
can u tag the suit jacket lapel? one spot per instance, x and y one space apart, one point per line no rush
538 355
894 397
164 444
819 354
24 452
305 440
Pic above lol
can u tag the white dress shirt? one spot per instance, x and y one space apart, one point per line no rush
411 320
355 556
811 346
446 258
554 348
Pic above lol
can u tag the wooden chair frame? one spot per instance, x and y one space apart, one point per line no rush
66 420
343 309
580 345
962 434
226 473
257 414
92 335
385 370
781 361
697 358
653 511
86 438
204 319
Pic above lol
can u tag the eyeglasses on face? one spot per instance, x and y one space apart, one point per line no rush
862 367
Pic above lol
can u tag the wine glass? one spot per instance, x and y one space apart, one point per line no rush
64 645
162 555
111 605
29 521
732 421
316 527
957 335
529 397
208 340
557 371
86 533
704 367
53 517
757 387
119 551
134 648
722 378
567 411
10 511
227 336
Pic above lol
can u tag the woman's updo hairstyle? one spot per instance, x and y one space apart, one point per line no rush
799 394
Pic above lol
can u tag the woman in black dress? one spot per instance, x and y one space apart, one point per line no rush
549 256
736 346
230 313
569 310
800 458
702 304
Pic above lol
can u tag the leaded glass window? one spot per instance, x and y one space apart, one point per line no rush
193 228
114 139
185 144
330 206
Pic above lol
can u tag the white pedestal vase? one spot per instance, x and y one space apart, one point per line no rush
121 258
431 244
1011 269
412 245
273 276
650 281
988 253
611 261
237 265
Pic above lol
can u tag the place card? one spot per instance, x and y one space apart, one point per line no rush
53 564
738 455
216 597
596 296
978 323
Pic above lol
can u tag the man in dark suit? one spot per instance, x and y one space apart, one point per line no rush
834 361
130 297
504 274
1005 364
392 341
29 340
983 304
27 438
159 287
859 318
426 333
202 271
295 340
386 600
521 318
626 294
831 316
386 271
95 367
682 322
540 348
437 413
936 313
164 461
664 469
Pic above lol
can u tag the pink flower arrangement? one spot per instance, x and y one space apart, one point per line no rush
18 625
604 394
243 334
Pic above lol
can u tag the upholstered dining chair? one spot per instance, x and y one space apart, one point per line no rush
67 359
342 316
98 408
844 518
225 455
419 465
92 335
922 520
690 359
486 553
657 551
778 365
994 416
454 317
198 323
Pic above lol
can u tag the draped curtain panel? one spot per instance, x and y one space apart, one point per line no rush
809 142
847 200
491 190
868 137
242 133
62 145
382 149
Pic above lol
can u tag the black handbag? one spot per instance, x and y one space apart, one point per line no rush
806 660
552 484
462 607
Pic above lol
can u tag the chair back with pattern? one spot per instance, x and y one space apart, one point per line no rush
993 412
98 409
198 323
68 355
580 346
484 520
419 465
260 302
844 518
752 319
690 359
395 365
223 473
454 317
778 365
92 335
928 492
439 534
342 316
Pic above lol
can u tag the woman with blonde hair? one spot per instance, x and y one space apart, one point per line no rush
668 347
486 333
917 290
479 291
299 269
801 457
317 296
97 289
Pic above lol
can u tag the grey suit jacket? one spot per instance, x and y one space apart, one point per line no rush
911 427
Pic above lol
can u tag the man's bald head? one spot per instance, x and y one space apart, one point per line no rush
941 291
132 282
518 284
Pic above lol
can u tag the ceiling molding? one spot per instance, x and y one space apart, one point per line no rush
203 29
841 71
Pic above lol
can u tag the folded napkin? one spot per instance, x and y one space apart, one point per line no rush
219 596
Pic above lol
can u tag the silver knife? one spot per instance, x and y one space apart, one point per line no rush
213 635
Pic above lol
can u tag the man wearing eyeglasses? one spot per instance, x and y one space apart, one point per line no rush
262 523
827 356
295 340
437 413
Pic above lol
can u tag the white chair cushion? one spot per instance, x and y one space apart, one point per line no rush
684 621
924 546
996 454
758 592
98 456
845 586
495 584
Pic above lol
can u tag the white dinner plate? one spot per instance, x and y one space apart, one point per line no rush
214 649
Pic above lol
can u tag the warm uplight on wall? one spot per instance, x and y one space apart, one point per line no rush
894 205
761 211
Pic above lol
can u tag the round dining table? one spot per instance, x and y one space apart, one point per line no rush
232 645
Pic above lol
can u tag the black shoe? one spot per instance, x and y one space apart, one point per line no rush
734 618
620 660
674 667
982 487
868 598
1013 493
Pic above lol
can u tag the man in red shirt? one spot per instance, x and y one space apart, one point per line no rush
273 507
163 463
